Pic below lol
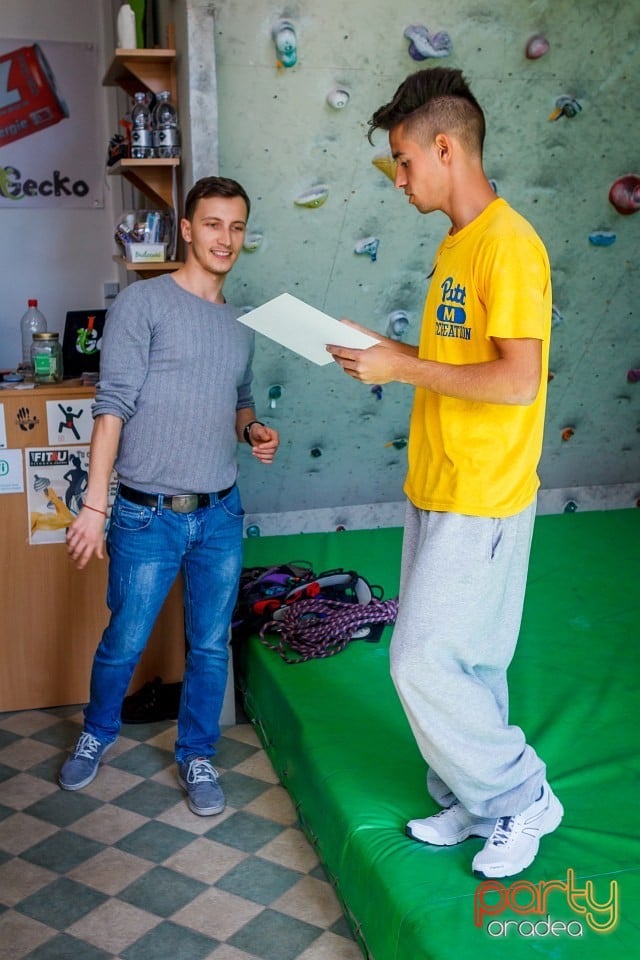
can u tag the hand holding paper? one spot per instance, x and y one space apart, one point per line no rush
304 329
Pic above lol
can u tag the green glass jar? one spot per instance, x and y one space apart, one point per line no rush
46 357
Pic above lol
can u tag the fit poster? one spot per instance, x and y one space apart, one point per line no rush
56 482
69 421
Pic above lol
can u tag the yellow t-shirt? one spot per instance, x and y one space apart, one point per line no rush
491 279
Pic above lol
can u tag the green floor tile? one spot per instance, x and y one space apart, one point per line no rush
168 940
63 807
61 903
274 936
155 841
143 760
240 789
62 851
162 891
149 798
64 947
259 880
245 831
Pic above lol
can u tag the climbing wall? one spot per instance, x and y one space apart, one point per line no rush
296 86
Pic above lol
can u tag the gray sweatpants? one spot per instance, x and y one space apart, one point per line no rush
461 595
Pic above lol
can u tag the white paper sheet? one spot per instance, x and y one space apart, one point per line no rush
303 329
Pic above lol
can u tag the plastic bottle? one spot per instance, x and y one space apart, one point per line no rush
32 321
141 132
166 133
126 28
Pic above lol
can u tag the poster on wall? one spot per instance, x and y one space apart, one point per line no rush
56 481
11 479
3 428
50 141
69 421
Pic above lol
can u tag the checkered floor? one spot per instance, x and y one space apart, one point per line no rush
124 870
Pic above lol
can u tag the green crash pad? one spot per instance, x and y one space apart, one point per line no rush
339 741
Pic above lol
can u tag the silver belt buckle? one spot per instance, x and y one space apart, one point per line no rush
185 504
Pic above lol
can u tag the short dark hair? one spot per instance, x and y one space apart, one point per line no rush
214 187
437 99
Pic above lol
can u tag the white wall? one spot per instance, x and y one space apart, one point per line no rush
61 257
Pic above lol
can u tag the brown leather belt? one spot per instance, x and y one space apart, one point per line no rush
180 503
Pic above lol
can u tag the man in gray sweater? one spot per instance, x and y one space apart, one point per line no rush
174 399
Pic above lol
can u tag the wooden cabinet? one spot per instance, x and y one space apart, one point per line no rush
157 179
52 614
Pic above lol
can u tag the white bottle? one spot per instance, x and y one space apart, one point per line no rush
32 321
126 28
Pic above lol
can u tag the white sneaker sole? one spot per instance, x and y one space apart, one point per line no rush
497 870
417 831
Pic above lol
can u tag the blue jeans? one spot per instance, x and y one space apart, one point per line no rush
148 547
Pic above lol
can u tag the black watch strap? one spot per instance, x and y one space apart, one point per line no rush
246 433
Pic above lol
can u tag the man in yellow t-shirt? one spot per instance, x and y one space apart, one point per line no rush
480 375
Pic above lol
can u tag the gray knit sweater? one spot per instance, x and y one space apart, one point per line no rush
175 368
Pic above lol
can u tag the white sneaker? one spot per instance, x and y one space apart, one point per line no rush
513 845
452 825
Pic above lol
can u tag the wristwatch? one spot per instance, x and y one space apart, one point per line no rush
246 433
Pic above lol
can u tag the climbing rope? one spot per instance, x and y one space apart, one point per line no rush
316 628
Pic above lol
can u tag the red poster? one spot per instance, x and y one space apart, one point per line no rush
49 145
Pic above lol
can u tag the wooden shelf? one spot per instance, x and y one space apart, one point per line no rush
155 70
151 269
152 177
157 179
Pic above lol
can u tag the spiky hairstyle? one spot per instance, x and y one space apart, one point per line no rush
431 101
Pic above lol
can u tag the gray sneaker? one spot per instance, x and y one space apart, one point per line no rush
82 766
199 778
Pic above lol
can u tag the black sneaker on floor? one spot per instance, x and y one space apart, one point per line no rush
152 702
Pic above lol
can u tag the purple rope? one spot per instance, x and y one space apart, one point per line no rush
316 628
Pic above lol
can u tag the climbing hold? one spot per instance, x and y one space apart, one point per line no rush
602 238
340 528
315 452
314 197
376 390
252 241
253 530
570 506
398 443
275 392
566 107
338 98
387 164
567 433
397 323
423 45
625 193
536 47
556 317
494 186
633 376
284 36
369 246
550 376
